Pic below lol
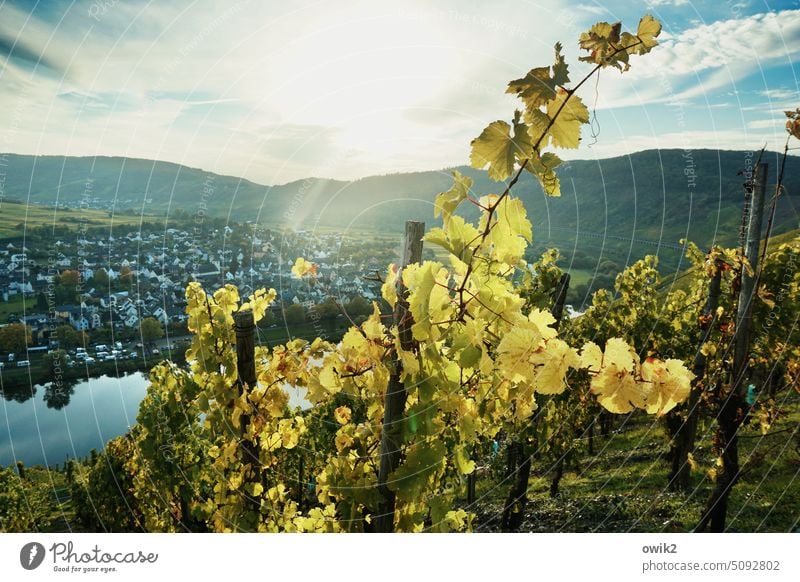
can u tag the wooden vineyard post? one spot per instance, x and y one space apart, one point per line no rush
245 328
733 407
395 399
744 313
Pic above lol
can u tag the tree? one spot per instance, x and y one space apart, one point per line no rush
151 329
41 302
101 278
295 314
68 337
126 276
327 310
358 307
57 392
69 278
15 337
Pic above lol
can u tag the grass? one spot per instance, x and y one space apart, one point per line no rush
15 217
16 306
623 488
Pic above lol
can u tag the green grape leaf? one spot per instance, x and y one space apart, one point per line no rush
600 41
496 148
566 129
423 461
544 169
649 29
447 202
536 88
469 357
560 69
456 237
464 463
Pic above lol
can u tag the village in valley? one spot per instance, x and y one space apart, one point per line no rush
115 292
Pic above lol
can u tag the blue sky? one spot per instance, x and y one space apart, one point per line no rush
277 91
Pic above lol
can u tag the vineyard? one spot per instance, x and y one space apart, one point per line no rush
469 400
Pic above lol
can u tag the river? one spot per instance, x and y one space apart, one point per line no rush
39 432
50 427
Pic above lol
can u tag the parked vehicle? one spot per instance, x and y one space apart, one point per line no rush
23 363
89 360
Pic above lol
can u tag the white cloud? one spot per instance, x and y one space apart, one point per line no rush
276 92
656 3
701 60
591 9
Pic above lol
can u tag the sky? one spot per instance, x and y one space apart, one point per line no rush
279 91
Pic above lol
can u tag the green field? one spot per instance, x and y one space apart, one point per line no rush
623 487
15 306
15 218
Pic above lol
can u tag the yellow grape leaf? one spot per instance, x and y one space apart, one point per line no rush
515 351
275 401
619 354
343 440
617 390
671 384
557 358
259 302
496 148
389 287
342 414
708 349
766 296
290 435
303 267
329 379
373 327
544 321
408 359
591 357
227 298
447 202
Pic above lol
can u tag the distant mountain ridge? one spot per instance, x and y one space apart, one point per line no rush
653 195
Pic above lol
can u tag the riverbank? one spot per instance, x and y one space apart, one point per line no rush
15 382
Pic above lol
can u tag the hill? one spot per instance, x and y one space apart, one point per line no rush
617 208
